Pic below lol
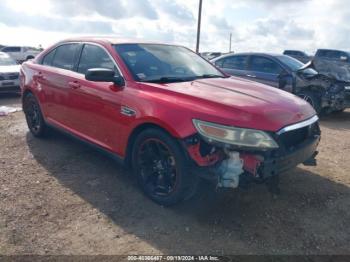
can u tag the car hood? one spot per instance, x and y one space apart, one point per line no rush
239 102
10 69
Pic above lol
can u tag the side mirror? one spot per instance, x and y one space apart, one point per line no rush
104 75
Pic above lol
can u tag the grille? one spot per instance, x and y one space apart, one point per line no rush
296 137
11 76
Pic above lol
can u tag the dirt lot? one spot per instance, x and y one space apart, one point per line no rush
59 196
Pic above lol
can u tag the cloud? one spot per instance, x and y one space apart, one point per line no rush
13 18
220 23
175 10
274 3
256 25
116 9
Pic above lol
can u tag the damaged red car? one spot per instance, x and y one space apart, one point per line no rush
168 114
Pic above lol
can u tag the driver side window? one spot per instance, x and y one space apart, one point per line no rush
264 65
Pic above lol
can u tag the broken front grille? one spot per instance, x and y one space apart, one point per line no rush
296 137
10 76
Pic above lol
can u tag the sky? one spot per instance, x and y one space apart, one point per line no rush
256 25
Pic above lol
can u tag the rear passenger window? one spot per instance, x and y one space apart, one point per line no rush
264 65
65 56
235 62
47 60
94 57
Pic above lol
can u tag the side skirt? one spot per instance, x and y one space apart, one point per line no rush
120 160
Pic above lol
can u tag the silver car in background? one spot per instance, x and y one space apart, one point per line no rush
9 74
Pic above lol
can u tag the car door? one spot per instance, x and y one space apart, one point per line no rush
54 78
264 70
95 106
234 65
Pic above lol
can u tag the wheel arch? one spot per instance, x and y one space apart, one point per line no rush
138 130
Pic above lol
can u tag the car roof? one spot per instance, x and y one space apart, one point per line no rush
110 40
337 50
293 50
249 53
3 54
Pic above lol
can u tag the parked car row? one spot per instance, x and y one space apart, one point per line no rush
169 114
21 53
211 55
298 55
9 74
324 92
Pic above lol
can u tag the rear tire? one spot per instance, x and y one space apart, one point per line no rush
161 168
34 117
313 99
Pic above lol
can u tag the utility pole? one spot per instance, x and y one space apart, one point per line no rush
230 49
199 25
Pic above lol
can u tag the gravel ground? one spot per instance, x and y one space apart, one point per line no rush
59 196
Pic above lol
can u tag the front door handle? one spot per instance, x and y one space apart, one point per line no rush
74 85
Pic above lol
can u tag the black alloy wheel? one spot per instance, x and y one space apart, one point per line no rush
34 118
161 167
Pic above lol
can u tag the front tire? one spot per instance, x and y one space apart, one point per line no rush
34 117
313 99
161 167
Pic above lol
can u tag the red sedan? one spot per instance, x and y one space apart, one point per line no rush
169 114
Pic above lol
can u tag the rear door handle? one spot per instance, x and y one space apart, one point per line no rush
253 76
74 85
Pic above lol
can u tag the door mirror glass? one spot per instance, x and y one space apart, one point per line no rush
104 75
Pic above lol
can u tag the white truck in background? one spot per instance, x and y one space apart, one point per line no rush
21 53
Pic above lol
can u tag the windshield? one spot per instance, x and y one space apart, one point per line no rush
164 63
296 65
5 60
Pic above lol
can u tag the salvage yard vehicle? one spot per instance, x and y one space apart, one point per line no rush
298 55
9 74
169 114
21 53
324 93
335 64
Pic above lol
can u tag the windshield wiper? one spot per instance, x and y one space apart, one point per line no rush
173 79
168 79
211 76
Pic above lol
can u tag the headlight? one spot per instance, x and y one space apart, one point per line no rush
347 88
234 135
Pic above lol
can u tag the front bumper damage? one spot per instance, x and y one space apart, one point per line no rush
336 101
233 167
